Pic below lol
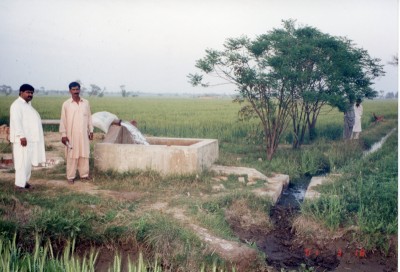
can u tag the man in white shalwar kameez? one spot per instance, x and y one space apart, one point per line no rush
26 135
358 112
76 130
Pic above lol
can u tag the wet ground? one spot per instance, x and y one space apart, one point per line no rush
281 249
293 195
284 250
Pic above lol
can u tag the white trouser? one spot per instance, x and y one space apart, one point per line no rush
22 156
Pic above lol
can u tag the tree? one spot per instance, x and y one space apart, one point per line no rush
394 61
389 95
289 74
44 91
263 96
83 88
123 91
7 90
95 90
101 94
318 70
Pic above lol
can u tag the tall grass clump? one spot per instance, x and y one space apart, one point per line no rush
168 240
365 195
63 224
211 213
42 258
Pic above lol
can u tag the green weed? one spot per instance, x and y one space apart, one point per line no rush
365 195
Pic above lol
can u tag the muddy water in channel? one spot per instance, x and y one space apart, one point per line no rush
279 246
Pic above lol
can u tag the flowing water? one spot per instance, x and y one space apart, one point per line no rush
137 136
294 194
379 144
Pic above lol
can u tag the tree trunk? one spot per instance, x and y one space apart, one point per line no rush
312 133
270 153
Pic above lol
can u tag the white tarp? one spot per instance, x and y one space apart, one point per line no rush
103 120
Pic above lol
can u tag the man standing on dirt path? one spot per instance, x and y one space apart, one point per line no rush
26 135
76 130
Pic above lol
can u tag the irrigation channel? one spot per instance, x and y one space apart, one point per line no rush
281 250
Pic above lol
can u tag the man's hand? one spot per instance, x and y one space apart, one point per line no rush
64 140
23 141
91 136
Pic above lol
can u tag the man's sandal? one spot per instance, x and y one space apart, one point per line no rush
85 179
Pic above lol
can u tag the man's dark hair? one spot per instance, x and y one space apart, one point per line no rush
26 87
74 84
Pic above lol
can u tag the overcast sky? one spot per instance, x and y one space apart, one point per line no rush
152 45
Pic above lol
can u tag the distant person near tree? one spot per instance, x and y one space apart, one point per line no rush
76 130
26 135
358 111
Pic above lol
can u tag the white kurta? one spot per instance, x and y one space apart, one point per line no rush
25 122
358 111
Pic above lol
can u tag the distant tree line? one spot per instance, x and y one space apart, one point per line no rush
94 90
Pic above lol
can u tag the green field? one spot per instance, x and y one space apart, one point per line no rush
186 117
363 199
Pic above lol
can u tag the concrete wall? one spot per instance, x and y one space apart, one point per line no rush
165 155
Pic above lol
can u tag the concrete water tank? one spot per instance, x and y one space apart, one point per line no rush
167 156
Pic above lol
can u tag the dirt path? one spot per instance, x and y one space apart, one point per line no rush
88 188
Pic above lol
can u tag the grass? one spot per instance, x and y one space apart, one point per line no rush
91 220
365 195
43 258
203 118
60 214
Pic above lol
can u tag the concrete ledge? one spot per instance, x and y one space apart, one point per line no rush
251 173
273 187
50 122
311 192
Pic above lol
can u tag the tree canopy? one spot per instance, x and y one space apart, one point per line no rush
288 74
